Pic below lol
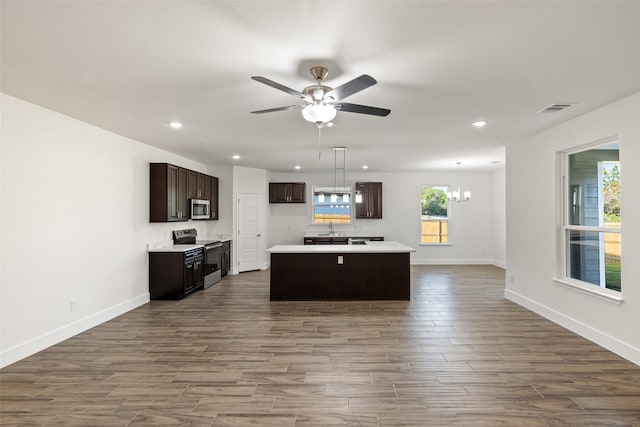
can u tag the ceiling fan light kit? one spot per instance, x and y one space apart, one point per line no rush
319 113
323 102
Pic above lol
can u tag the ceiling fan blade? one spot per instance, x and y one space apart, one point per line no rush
271 110
281 87
351 87
363 109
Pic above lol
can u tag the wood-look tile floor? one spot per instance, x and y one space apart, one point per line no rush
458 354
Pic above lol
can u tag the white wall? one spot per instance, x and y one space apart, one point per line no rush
74 224
499 219
533 237
472 223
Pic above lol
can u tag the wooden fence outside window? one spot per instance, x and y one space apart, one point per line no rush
435 230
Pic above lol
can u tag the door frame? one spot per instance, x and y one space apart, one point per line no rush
261 241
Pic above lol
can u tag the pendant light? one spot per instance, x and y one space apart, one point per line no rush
343 191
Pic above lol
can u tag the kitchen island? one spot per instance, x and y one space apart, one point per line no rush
370 271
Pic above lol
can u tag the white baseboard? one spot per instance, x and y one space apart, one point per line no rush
451 261
613 344
34 345
499 263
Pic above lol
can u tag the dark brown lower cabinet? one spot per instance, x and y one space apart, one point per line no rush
326 276
226 258
174 275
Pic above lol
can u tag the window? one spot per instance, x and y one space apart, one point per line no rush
331 205
434 215
592 226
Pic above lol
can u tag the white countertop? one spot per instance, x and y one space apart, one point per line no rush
168 246
174 248
370 247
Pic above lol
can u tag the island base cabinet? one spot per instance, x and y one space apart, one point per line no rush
360 276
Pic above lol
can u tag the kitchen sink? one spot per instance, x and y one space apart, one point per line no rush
357 242
330 234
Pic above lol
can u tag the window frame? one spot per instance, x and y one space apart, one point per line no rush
446 188
327 191
566 227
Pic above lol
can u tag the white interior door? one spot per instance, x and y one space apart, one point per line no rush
250 251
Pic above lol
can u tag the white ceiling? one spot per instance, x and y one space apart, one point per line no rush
132 66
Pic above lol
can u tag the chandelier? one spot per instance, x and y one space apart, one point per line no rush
459 196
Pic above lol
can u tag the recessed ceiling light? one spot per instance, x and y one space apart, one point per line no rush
296 167
175 125
480 123
235 157
365 167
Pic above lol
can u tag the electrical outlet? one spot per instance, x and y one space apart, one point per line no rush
512 279
73 305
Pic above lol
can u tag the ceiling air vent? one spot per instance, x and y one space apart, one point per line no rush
554 108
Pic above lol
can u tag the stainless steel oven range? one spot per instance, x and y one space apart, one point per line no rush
212 254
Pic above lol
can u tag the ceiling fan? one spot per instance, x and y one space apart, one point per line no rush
321 103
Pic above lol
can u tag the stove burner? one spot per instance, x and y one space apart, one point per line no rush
188 237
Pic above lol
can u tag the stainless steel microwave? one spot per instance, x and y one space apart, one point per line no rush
200 209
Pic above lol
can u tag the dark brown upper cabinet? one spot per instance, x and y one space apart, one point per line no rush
168 193
371 205
213 192
286 192
199 186
171 187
